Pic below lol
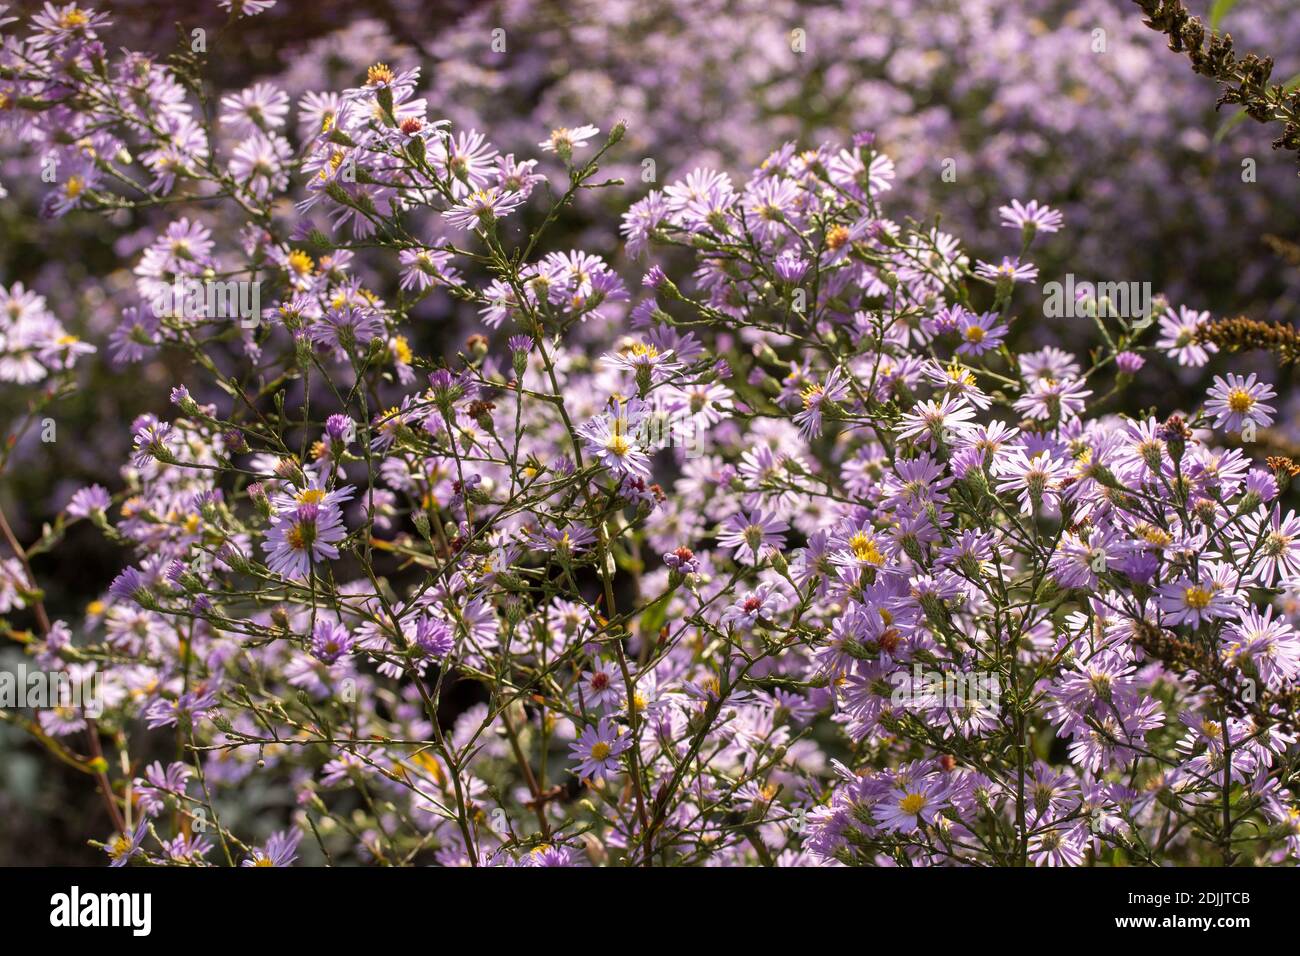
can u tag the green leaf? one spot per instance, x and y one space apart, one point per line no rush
1220 10
1228 125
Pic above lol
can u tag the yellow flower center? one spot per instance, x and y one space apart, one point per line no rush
379 73
836 237
599 750
1240 401
402 350
300 262
1156 536
1197 597
864 548
912 803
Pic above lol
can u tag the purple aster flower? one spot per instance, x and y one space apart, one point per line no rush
613 438
466 159
518 177
1035 480
1238 401
152 442
980 333
261 107
425 268
479 210
190 706
548 855
305 536
1270 642
346 330
341 430
261 163
124 846
1030 217
135 336
911 805
642 220
748 534
159 783
1130 363
937 422
597 750
1050 398
1010 270
1262 483
281 849
1195 601
764 601
88 501
432 638
330 641
816 397
187 848
789 267
1178 337
129 585
682 560
1270 546
1058 846
654 278
246 8
601 688
314 493
566 541
648 365
563 140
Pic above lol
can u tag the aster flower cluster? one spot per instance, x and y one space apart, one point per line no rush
1019 98
766 549
1013 99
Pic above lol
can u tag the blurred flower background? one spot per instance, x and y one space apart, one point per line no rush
1076 104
